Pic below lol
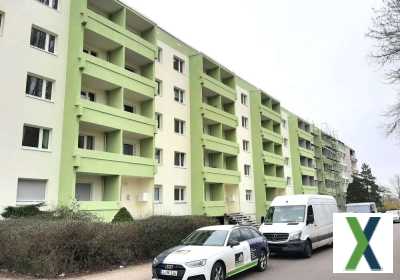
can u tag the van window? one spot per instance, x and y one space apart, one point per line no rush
310 214
285 214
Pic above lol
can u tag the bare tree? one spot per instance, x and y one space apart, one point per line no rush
396 185
386 33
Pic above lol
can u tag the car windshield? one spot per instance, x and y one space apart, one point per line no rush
206 238
359 208
285 214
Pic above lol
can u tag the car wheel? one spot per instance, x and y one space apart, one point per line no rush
218 272
307 253
262 261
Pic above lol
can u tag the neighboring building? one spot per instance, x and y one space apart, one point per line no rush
116 112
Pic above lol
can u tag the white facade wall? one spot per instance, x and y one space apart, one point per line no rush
166 139
18 58
247 182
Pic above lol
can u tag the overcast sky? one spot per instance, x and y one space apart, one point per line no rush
312 55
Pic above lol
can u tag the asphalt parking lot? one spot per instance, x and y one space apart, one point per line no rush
319 267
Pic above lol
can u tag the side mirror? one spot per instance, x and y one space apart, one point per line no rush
233 243
310 219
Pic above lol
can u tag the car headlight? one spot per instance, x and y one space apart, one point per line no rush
155 261
295 235
197 263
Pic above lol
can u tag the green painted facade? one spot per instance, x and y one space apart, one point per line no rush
213 120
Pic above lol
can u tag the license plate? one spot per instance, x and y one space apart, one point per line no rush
169 272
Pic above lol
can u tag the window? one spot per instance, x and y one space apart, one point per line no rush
43 40
179 64
31 191
1 22
249 195
288 181
36 137
247 170
158 156
245 122
246 234
159 121
88 96
51 3
179 193
245 145
235 236
38 87
179 159
90 51
83 192
130 108
243 99
179 126
286 161
285 142
86 142
129 149
157 193
159 54
159 88
283 123
179 95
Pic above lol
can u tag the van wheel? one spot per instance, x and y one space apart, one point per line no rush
218 272
307 253
262 262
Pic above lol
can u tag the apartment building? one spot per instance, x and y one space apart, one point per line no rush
117 112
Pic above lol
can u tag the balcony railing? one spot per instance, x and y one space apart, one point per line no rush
219 175
275 182
272 136
217 87
273 158
220 145
214 208
271 114
218 115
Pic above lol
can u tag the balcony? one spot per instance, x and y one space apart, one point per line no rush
101 25
273 158
271 136
105 210
104 115
269 113
305 135
274 182
221 145
214 208
106 163
306 152
114 74
217 87
218 175
218 115
310 189
309 171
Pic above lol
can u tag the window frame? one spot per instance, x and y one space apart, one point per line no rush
247 169
159 88
160 161
249 195
50 4
244 99
159 58
90 191
28 202
160 194
40 138
245 122
48 35
181 159
2 20
181 126
246 145
181 64
85 141
45 84
159 120
181 194
181 95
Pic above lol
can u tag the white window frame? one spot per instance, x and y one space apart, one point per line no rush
160 161
44 87
160 194
182 194
84 94
2 20
134 149
181 64
181 95
51 4
249 195
159 120
244 99
27 202
159 54
90 189
245 122
181 126
182 157
246 145
85 141
90 51
40 141
247 170
47 40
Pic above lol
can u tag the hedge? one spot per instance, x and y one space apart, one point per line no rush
49 248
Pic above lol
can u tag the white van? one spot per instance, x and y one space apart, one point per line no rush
299 223
362 207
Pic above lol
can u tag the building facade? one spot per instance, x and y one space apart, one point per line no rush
117 112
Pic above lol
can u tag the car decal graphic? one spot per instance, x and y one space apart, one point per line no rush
256 244
161 257
239 258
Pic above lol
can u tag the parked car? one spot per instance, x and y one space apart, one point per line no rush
362 207
396 215
299 223
213 253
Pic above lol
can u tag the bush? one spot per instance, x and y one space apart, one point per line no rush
22 211
122 216
48 248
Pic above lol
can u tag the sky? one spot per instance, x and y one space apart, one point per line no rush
311 55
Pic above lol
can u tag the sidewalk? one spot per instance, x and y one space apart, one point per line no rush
135 272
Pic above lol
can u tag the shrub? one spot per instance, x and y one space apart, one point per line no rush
22 211
47 248
122 216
